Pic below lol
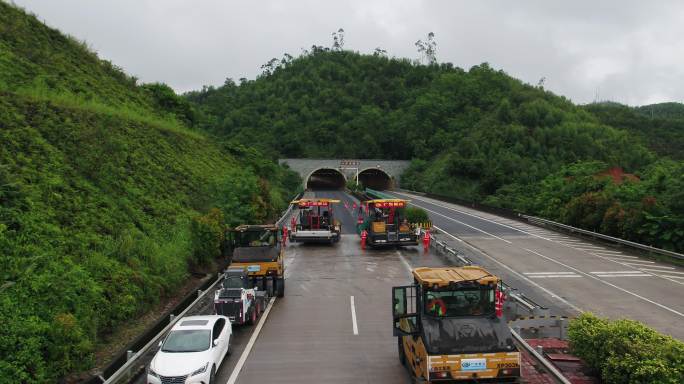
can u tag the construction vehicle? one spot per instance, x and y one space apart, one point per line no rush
257 249
238 299
450 327
385 223
316 222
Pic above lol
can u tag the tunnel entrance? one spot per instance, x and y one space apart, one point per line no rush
326 178
375 178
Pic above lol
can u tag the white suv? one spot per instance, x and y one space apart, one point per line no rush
192 351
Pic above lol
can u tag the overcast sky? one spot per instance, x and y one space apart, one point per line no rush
626 51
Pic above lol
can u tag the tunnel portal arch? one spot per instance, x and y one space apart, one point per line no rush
326 178
376 178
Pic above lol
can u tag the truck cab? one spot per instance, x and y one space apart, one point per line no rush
237 299
449 328
316 222
386 224
257 249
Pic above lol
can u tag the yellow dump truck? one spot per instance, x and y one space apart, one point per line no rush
257 249
450 330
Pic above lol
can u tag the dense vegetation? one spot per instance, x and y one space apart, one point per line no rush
626 351
107 198
477 134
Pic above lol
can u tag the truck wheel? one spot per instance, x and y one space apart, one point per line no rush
281 287
402 354
252 317
269 286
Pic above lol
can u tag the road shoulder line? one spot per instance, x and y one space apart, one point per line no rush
245 353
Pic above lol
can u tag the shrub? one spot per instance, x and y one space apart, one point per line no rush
208 233
627 351
416 215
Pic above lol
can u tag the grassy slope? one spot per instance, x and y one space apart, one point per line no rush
98 189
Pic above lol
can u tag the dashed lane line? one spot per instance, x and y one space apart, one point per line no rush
665 307
355 327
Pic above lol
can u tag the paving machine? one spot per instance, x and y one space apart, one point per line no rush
450 327
257 249
316 222
385 223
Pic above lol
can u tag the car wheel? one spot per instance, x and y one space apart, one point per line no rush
212 375
281 287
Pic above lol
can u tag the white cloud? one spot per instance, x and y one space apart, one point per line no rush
631 50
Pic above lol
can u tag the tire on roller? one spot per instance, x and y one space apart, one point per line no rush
252 317
402 354
270 289
281 287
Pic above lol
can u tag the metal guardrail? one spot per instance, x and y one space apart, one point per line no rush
131 368
557 375
539 220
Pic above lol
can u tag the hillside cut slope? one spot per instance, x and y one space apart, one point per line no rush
106 198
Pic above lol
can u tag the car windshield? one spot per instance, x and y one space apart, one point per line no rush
233 282
255 239
195 340
462 302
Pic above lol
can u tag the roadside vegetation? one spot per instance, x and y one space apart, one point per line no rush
627 351
475 134
109 197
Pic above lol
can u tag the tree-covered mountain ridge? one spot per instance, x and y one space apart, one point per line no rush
477 134
109 197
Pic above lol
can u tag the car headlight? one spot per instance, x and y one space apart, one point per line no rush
201 370
151 372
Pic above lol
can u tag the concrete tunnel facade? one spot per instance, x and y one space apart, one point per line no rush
330 178
334 173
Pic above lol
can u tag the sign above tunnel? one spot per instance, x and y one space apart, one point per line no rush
349 163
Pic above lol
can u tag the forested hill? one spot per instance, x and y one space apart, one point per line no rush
660 126
108 198
477 134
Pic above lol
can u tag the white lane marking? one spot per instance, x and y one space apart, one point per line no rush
355 328
551 276
613 272
460 222
665 307
673 277
406 263
639 262
589 248
624 275
518 274
549 273
615 256
660 269
238 367
609 252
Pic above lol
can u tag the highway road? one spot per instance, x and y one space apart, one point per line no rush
567 273
334 324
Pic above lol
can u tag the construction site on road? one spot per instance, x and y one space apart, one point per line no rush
462 312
